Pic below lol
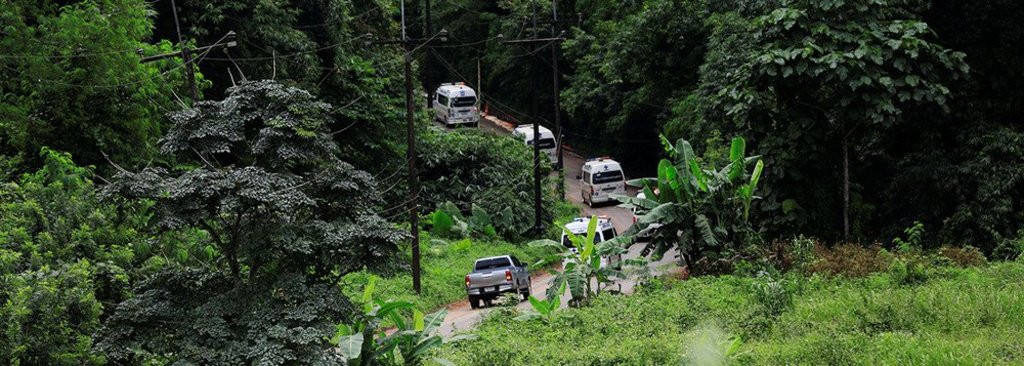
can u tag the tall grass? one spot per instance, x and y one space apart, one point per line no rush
956 316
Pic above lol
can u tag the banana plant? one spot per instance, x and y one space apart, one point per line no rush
703 212
544 309
367 342
582 266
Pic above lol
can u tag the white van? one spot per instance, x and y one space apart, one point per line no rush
601 178
456 104
605 231
548 144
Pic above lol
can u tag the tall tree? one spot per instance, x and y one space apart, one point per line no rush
840 70
71 79
286 217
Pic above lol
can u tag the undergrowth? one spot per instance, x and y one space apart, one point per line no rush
952 316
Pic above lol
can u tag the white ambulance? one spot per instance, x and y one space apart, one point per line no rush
548 144
456 104
601 178
605 231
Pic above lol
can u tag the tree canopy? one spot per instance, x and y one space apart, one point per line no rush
260 173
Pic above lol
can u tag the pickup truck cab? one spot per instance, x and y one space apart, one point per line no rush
493 276
605 231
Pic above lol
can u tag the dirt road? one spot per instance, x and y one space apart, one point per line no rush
461 317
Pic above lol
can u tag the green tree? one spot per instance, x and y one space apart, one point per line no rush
833 73
71 79
492 172
321 46
64 256
287 217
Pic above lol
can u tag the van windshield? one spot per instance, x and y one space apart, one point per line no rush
548 143
607 177
464 102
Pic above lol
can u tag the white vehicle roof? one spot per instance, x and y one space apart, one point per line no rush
579 225
526 132
456 90
601 165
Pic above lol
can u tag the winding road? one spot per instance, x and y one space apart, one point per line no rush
461 317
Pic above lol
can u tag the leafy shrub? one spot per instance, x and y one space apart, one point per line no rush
850 260
448 222
773 295
495 173
914 241
909 270
63 255
797 254
1010 248
964 257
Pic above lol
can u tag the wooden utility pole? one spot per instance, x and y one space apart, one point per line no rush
412 204
186 54
428 84
555 40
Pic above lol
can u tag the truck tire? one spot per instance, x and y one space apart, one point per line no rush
474 303
526 292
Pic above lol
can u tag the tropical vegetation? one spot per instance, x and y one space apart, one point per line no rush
196 182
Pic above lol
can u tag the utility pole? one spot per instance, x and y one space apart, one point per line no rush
228 40
412 204
427 80
185 56
556 39
537 223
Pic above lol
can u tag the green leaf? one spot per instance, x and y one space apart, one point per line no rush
540 306
417 320
351 346
368 295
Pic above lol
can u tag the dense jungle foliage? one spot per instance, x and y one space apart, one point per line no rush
266 220
936 141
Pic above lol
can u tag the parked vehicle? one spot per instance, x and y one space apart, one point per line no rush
601 178
605 231
494 276
548 144
456 104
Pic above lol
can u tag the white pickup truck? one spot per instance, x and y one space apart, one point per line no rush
494 276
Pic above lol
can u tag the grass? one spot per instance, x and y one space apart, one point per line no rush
956 316
445 265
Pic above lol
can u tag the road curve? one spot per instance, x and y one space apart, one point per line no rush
461 317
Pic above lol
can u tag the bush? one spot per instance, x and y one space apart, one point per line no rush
963 316
492 172
850 260
63 254
964 257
